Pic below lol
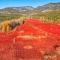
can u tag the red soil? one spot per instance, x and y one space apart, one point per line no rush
32 40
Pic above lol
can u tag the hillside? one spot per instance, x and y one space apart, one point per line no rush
33 40
47 13
49 7
46 7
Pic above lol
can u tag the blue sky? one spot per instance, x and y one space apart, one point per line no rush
17 3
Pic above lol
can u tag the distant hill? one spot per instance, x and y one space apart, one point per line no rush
26 9
50 11
14 10
49 7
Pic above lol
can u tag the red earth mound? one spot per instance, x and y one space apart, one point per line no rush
34 40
